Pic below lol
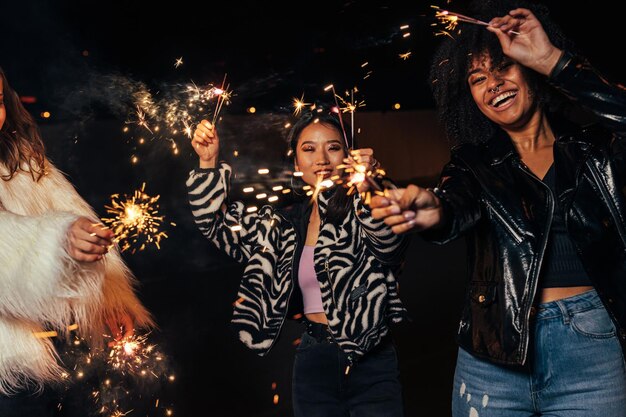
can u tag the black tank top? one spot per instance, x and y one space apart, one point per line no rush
561 264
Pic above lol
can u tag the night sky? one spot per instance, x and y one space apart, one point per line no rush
270 51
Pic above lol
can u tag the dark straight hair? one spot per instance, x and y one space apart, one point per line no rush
339 203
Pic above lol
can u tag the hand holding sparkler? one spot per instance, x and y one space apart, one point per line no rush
206 143
534 49
88 241
410 209
121 325
364 167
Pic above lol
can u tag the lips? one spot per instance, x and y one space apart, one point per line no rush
503 98
325 173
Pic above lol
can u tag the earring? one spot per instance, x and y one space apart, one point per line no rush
293 187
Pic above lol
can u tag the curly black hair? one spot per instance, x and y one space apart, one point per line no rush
461 118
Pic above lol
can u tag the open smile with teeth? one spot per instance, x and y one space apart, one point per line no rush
323 173
498 100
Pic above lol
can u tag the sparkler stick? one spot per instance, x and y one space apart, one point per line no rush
351 107
220 100
352 117
452 18
343 129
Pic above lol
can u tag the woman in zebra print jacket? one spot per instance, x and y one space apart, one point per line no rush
325 261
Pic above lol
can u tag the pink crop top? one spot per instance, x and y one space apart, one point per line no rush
307 279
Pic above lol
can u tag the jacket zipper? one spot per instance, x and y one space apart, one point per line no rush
509 228
609 202
293 260
535 273
330 281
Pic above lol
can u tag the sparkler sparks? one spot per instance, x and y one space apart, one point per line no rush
131 354
174 112
350 106
450 20
223 96
299 104
128 378
135 220
331 87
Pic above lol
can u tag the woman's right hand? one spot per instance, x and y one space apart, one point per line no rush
524 40
88 241
410 209
206 143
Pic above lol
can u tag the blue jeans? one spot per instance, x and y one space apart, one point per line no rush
576 369
322 389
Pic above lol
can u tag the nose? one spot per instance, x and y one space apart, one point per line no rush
495 84
322 159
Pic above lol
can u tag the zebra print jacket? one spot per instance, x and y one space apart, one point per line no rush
355 265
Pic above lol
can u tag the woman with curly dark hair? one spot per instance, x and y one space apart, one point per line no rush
541 201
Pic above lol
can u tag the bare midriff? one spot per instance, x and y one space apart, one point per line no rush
553 294
317 318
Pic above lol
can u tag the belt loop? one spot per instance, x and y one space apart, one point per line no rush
564 311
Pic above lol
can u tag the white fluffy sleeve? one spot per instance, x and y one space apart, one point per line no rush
38 279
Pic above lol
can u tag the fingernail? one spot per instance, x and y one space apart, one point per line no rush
394 209
409 215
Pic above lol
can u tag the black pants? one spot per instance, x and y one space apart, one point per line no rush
29 404
321 387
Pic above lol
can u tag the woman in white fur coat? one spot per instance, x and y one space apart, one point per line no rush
58 267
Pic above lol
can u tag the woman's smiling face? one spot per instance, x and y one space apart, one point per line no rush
319 151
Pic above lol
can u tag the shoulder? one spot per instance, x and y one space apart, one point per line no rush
469 153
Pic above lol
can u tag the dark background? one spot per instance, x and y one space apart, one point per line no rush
81 61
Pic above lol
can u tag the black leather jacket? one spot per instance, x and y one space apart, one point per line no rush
505 212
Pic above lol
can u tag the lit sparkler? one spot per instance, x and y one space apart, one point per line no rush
343 129
350 106
451 19
131 354
358 174
320 185
176 110
223 95
136 221
128 377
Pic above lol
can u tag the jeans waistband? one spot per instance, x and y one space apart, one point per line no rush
318 331
570 305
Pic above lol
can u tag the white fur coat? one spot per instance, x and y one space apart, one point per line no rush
42 287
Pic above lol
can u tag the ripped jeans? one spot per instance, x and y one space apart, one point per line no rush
577 369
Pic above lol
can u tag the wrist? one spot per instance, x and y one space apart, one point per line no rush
209 163
546 66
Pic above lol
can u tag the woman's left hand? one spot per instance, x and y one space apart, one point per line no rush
121 325
364 158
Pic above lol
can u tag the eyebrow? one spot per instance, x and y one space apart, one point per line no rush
306 142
